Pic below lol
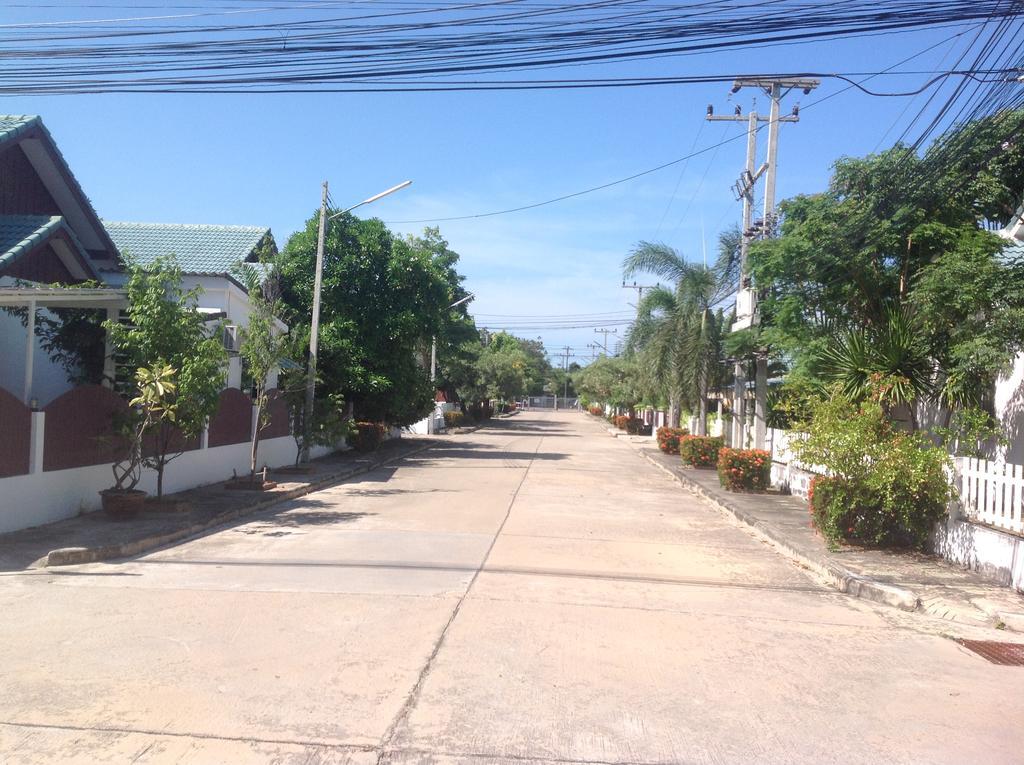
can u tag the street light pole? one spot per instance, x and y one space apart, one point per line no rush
314 327
314 330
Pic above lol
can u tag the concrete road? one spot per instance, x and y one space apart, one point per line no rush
531 592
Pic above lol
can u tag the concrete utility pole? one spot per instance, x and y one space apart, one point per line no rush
746 297
314 327
606 332
565 368
314 330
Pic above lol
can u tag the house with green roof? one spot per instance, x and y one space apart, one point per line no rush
62 266
51 235
209 258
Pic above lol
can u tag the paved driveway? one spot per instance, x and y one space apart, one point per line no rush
533 591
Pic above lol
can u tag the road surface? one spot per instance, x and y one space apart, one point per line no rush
531 592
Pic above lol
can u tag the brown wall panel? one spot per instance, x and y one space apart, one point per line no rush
80 428
15 433
233 422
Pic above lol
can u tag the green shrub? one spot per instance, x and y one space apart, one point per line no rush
700 451
884 486
368 437
744 469
454 419
668 438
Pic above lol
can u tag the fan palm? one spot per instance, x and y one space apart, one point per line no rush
890 361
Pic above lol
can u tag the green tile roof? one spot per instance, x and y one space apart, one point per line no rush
13 125
1013 250
21 233
198 249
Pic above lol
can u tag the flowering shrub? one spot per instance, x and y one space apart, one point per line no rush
454 419
886 486
744 469
368 436
668 438
700 451
597 411
620 421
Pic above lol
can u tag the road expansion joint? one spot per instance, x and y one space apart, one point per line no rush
410 701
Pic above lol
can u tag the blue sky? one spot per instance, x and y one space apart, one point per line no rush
260 159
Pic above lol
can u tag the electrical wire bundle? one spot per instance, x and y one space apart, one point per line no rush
410 46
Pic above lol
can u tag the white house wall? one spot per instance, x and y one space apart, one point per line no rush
38 498
1009 406
49 379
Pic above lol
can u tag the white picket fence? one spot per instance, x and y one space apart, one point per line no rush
991 492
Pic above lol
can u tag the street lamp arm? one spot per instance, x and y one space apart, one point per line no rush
468 297
374 198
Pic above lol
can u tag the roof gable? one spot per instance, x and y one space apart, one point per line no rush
21 234
198 249
29 132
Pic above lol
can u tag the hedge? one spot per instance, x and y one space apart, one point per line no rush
700 451
454 419
668 438
368 436
744 469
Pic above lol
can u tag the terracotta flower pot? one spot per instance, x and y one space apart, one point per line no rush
121 504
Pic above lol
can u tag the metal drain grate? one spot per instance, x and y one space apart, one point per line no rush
1009 654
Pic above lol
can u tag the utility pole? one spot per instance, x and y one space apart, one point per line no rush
565 368
746 297
593 350
314 330
606 332
639 291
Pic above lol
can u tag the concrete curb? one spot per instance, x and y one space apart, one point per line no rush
69 556
837 575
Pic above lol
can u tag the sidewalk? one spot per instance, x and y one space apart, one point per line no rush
907 580
93 536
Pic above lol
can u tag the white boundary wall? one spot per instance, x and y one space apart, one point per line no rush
44 497
989 492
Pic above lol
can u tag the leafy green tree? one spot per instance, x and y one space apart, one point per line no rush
263 343
503 369
165 329
382 300
609 380
891 272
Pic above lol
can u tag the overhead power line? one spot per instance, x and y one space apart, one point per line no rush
333 47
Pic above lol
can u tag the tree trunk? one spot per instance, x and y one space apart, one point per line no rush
702 400
255 443
160 480
673 411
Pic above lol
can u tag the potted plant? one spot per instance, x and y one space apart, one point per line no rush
123 500
149 408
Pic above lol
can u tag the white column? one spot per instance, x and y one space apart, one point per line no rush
235 372
30 351
36 438
760 402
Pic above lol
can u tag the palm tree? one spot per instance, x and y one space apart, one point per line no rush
654 339
678 330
